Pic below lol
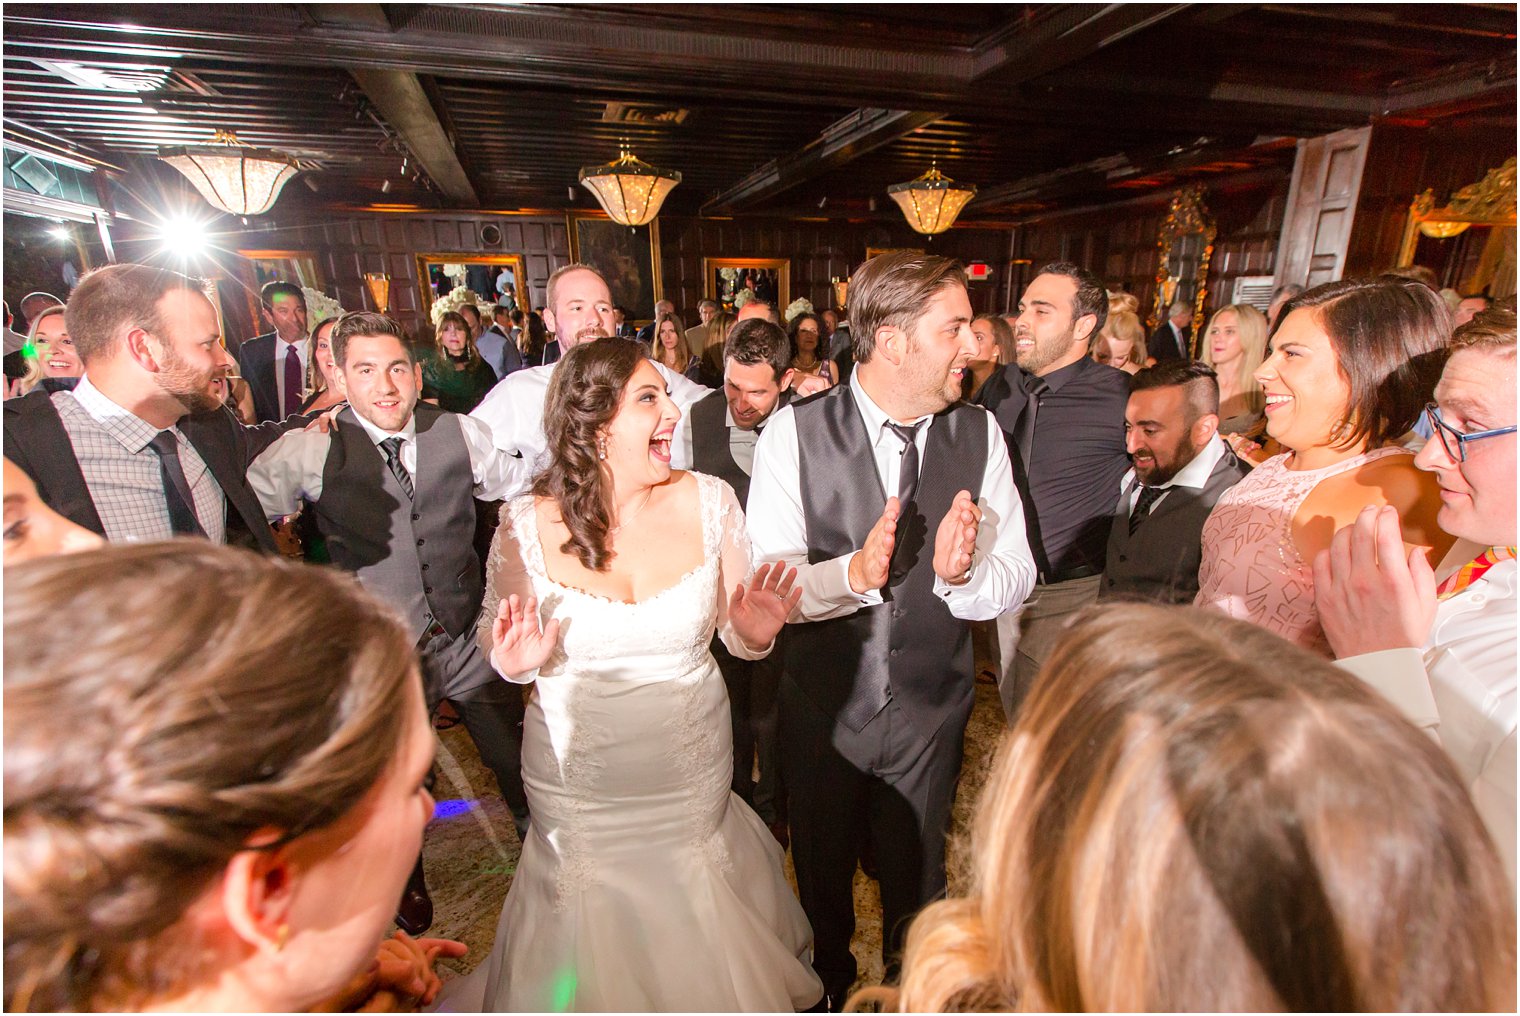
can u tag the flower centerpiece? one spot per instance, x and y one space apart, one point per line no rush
456 298
742 297
320 306
801 305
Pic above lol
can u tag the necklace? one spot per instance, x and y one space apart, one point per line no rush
614 530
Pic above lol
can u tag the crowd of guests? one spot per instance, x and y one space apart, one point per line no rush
1254 643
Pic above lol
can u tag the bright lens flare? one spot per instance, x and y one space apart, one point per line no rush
183 237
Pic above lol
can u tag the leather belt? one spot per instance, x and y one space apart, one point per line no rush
1082 571
434 630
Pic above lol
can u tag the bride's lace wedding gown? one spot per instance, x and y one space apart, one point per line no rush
645 884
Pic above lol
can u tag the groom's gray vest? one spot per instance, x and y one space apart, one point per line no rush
910 642
415 553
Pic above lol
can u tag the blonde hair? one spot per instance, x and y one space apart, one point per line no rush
1125 302
1251 325
1125 327
1193 814
206 694
34 372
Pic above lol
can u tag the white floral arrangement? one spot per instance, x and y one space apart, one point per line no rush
456 298
455 272
801 305
728 274
742 297
320 306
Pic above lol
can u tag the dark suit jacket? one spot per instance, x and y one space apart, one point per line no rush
36 441
551 353
256 364
1160 561
1163 344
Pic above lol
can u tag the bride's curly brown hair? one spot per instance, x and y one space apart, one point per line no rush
584 394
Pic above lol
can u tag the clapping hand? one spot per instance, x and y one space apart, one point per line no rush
518 644
872 563
757 613
956 540
1370 594
399 979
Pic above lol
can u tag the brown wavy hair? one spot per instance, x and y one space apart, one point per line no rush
584 394
1192 814
200 703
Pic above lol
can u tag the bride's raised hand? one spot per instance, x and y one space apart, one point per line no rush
518 644
758 612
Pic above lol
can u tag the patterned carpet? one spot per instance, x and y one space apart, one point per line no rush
471 848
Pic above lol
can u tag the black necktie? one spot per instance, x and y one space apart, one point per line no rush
1034 387
907 476
391 446
176 488
1148 497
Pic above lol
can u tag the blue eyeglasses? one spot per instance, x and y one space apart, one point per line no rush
1452 439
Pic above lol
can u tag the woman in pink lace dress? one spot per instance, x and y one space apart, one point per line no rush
1347 372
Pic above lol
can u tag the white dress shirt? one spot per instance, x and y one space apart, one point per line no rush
123 474
1002 568
1461 688
281 348
290 470
1195 476
514 412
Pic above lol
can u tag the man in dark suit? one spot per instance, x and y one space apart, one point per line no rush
1182 465
274 364
878 685
724 428
1173 340
143 448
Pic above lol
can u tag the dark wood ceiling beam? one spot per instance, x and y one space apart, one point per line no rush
399 98
1467 82
1019 51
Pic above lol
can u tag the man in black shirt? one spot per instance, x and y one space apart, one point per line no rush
1063 417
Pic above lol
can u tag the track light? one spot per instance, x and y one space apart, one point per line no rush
385 188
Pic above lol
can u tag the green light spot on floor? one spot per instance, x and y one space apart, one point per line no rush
563 992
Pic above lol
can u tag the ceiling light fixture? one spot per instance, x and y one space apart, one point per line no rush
629 190
931 202
232 176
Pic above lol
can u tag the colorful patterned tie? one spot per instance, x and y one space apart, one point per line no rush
1472 571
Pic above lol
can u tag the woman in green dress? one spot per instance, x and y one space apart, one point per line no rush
456 377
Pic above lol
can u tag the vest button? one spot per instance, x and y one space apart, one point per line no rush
1122 557
420 541
425 567
896 652
416 517
427 590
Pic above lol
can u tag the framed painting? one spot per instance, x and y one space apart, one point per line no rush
871 252
496 278
627 258
725 279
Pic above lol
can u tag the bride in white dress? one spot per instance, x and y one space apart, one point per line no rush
644 884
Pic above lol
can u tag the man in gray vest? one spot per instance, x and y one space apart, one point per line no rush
894 559
723 429
1182 465
392 488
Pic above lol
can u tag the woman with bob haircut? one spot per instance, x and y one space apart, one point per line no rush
1191 814
211 802
1349 370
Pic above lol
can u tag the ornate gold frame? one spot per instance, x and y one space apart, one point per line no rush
1489 202
425 287
782 267
657 282
1186 217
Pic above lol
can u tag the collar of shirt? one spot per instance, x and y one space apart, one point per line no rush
407 434
1195 475
131 430
1063 376
876 418
282 348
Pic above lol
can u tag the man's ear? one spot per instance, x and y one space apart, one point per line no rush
892 343
548 316
144 349
1084 327
257 891
786 379
1204 429
417 375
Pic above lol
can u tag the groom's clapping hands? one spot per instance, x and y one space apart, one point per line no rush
872 563
956 540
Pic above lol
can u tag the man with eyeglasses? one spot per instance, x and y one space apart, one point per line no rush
1440 643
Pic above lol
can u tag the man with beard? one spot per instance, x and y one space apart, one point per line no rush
1062 414
143 448
896 504
1182 465
578 308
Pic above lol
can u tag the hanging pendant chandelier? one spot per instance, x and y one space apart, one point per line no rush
232 176
629 190
931 202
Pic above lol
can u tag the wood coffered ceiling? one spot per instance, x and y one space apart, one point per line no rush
765 108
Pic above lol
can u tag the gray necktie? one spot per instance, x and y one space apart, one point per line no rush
176 488
391 446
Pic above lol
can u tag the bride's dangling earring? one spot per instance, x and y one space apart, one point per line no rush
601 448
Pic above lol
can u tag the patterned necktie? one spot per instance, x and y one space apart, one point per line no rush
907 475
391 446
176 488
292 381
1148 497
1472 571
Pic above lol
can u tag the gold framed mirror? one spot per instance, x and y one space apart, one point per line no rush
1470 241
1185 246
496 274
723 279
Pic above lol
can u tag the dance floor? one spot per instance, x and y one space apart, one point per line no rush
472 848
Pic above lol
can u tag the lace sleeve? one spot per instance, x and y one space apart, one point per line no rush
735 568
506 573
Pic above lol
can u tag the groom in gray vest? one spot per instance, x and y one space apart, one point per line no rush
897 505
392 488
